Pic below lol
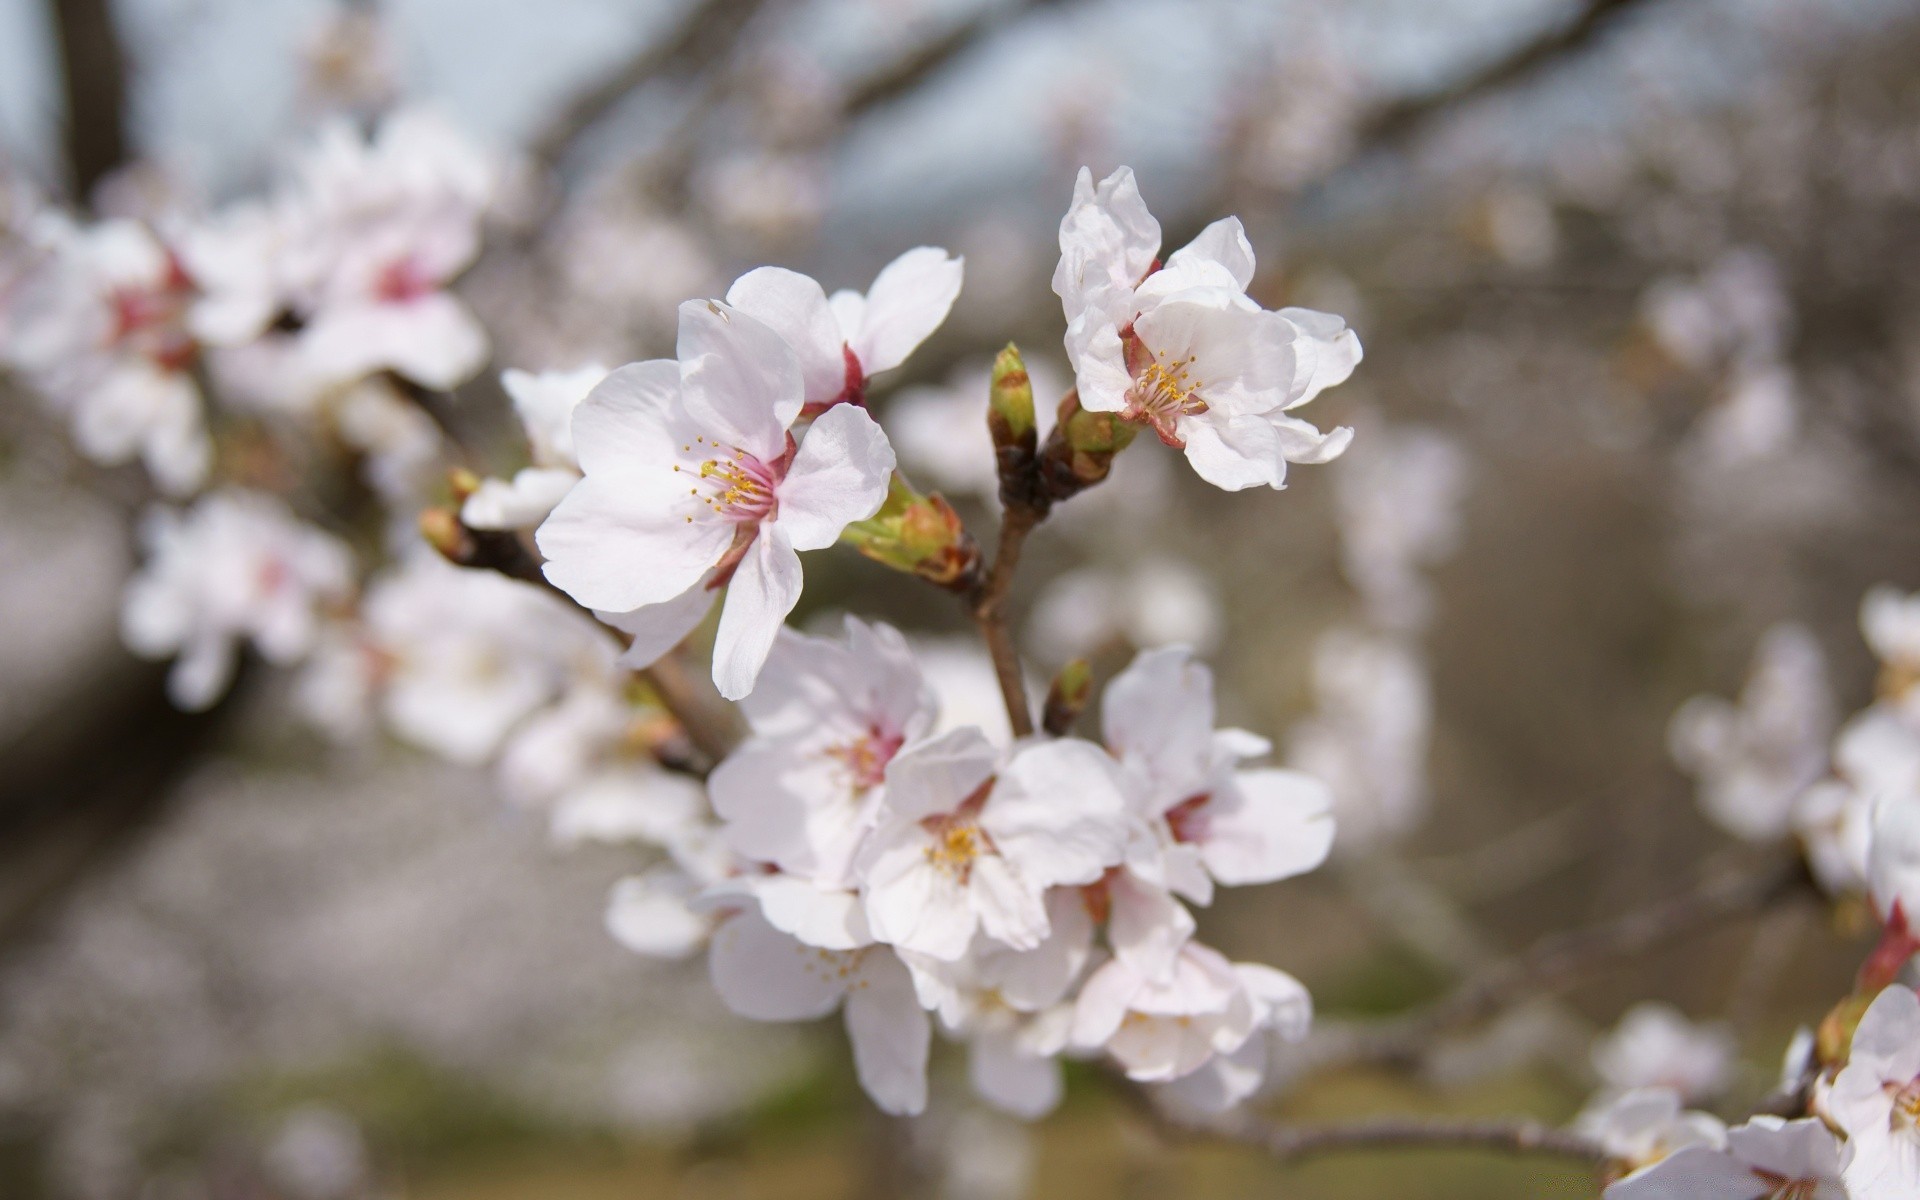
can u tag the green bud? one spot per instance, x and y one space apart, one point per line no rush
1080 451
920 535
1068 697
1010 411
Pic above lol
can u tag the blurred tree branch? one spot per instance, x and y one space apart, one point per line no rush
1287 1143
94 76
907 73
706 34
1394 121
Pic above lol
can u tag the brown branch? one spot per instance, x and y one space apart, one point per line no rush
1285 1143
905 74
1394 121
989 612
1558 959
94 77
706 34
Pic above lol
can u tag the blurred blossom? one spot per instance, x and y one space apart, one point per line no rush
1754 759
1399 494
1153 601
544 404
1367 739
1737 309
1642 1127
318 1154
350 62
1757 417
1521 228
236 567
1655 1045
771 198
1876 754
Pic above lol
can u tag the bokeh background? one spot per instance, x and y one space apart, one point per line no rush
1637 282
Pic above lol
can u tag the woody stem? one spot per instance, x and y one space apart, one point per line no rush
989 614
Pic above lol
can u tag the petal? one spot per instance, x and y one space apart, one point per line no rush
1012 909
657 628
631 421
890 1034
1157 718
839 476
763 591
617 549
1146 926
916 906
1025 1085
765 975
1267 825
520 504
795 307
828 918
433 341
1222 245
1335 350
1057 814
1107 239
1235 453
738 378
907 302
648 914
1693 1173
934 776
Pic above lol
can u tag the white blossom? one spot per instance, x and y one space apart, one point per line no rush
237 566
1754 759
1641 1127
1875 1100
692 481
1399 500
844 340
961 847
1367 741
1767 1158
1182 348
1656 1046
828 718
545 403
1152 601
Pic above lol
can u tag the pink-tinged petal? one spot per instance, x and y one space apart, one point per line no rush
1057 813
1222 246
762 592
739 379
657 628
1330 351
649 914
1225 1081
1026 1085
1266 825
1146 925
934 776
1157 718
1012 909
1040 978
795 307
907 302
765 975
839 476
890 1034
615 548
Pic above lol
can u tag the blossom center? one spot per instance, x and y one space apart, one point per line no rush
866 757
957 842
734 485
1188 820
1905 1116
1782 1188
1163 391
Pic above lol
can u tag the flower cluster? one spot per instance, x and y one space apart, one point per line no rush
1032 897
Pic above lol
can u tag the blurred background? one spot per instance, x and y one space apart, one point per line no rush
1637 283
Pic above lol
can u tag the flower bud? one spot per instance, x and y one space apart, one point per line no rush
441 528
1067 698
1011 421
920 535
1080 451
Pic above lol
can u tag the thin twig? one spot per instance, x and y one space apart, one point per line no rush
1556 960
1286 1143
989 613
1394 121
710 726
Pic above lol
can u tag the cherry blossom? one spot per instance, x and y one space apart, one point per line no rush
844 340
1767 1158
236 566
545 403
1876 755
1875 1100
1182 776
828 718
1181 347
962 848
101 330
767 975
1166 1028
1754 759
1639 1128
694 482
1656 1046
